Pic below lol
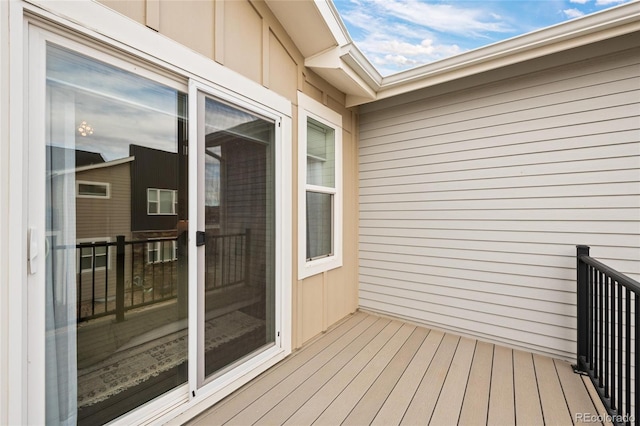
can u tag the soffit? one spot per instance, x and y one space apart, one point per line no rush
307 27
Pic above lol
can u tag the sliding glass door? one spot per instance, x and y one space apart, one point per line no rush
236 232
159 272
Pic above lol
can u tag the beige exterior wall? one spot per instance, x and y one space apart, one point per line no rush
244 36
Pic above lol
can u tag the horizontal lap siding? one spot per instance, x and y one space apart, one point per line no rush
471 203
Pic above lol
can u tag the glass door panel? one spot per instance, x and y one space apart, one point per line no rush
237 217
116 211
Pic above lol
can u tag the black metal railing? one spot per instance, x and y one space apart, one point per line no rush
608 335
114 277
227 259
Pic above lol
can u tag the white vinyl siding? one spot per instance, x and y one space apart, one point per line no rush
472 202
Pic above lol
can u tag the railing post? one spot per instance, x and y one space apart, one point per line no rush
582 290
247 256
120 278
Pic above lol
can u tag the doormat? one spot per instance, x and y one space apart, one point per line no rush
130 367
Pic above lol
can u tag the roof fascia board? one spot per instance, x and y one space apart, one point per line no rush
96 166
614 22
348 59
334 22
331 65
444 75
361 65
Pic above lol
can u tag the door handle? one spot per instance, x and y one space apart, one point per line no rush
32 250
200 238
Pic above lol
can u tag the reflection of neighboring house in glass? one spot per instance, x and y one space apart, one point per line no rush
102 193
102 205
154 193
154 218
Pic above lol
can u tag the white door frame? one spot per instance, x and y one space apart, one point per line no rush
103 25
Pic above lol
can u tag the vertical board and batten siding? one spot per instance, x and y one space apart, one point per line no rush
246 37
472 201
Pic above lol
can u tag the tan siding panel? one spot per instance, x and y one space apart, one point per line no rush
243 39
134 9
190 23
471 203
283 71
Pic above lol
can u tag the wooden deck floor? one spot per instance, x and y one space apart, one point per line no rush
375 370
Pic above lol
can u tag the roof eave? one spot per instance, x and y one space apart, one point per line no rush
611 23
344 66
332 54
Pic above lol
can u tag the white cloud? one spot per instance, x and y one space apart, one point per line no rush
608 2
443 17
398 34
572 13
390 54
579 1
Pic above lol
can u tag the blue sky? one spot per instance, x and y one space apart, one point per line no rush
400 34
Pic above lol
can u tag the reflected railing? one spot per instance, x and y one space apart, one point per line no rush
114 277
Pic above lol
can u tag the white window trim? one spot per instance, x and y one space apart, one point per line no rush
174 196
87 182
153 245
310 108
108 254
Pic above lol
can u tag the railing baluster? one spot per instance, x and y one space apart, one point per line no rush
93 280
612 344
592 316
637 352
621 292
80 316
627 352
598 356
106 279
133 256
120 259
608 332
605 337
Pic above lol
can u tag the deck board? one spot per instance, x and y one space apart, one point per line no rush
319 351
451 397
279 403
501 397
393 409
528 411
574 391
554 406
377 394
344 403
377 370
310 410
476 402
424 400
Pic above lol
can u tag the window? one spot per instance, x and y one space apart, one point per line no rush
93 254
85 189
162 251
161 201
320 195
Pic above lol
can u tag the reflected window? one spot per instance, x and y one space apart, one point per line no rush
93 189
162 201
93 256
162 251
